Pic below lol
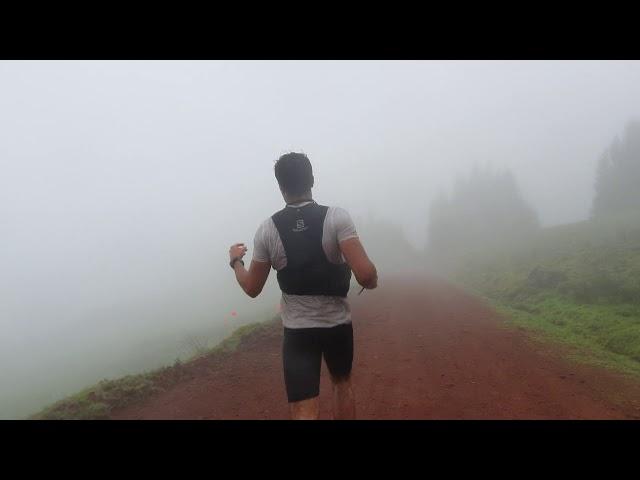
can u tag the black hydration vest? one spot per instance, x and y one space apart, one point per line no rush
308 271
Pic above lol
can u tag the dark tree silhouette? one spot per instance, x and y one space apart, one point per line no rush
618 175
485 209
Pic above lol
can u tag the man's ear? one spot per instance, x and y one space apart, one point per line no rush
312 180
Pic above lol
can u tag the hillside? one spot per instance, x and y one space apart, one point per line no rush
99 401
578 284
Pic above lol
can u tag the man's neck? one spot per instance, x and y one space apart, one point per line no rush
302 198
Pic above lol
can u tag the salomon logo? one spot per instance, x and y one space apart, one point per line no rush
300 226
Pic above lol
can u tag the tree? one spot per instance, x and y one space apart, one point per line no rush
618 175
484 210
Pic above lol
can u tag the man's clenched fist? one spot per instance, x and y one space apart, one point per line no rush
237 250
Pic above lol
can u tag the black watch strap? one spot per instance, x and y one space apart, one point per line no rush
232 263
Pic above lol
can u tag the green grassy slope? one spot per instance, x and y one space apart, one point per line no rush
577 284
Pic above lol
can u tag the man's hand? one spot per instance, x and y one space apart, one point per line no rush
251 280
237 250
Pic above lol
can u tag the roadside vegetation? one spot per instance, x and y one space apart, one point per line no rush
576 284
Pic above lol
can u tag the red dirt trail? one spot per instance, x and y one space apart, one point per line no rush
423 350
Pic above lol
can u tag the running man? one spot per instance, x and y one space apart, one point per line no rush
314 249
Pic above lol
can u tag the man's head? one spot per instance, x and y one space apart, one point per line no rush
295 176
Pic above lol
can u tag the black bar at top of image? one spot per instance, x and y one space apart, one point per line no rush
465 35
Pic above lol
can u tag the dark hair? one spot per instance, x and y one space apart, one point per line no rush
294 173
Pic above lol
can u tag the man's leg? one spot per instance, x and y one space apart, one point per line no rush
302 361
305 409
344 402
338 354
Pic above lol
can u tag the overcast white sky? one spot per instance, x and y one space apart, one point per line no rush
119 180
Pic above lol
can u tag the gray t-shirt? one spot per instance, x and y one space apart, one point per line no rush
308 311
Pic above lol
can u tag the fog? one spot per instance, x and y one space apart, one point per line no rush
123 184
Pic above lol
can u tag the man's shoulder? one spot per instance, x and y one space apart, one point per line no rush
265 230
338 213
333 209
266 225
341 224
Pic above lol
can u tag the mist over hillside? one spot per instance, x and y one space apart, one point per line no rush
123 184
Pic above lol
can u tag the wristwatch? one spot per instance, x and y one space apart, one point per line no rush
233 262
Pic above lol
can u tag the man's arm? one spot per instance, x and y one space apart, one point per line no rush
357 259
252 281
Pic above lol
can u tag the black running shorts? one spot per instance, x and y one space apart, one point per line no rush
302 352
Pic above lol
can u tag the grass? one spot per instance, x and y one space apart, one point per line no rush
100 400
599 335
577 285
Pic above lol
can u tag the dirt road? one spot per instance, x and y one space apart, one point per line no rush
423 350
